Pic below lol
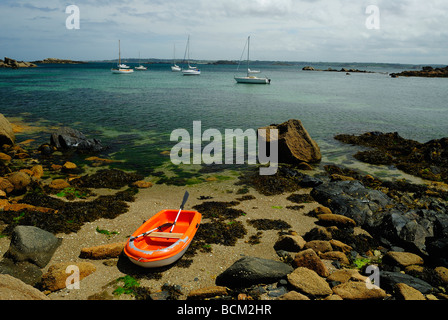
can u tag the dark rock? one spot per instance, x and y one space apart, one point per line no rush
310 182
28 272
353 200
426 160
438 251
389 279
67 138
32 244
250 271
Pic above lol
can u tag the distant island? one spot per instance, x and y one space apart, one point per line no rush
428 72
308 68
227 62
14 64
58 61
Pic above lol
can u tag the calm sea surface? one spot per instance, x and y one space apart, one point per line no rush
135 114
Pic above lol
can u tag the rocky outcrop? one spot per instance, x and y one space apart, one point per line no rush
252 270
57 276
426 160
7 135
14 289
14 64
67 138
427 72
295 145
32 244
351 70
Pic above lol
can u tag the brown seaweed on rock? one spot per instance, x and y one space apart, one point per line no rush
426 160
69 216
219 210
270 185
107 178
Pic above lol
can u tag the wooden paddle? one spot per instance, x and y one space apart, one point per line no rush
181 207
165 225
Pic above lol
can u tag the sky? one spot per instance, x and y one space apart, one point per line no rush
396 31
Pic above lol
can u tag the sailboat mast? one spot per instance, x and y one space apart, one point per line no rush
119 53
248 49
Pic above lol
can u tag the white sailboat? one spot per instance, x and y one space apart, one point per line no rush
249 78
140 67
121 68
191 71
175 67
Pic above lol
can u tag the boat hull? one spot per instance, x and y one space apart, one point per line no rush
191 72
253 80
122 71
176 69
163 248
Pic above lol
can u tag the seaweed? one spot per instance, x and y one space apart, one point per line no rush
220 232
255 239
269 224
276 184
107 178
68 216
300 198
219 210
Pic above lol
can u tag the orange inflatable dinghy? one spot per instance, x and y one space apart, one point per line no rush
163 239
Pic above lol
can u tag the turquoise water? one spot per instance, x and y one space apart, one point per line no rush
135 114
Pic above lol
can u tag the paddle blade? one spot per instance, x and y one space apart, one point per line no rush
184 200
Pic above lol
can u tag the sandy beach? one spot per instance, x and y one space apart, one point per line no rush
205 267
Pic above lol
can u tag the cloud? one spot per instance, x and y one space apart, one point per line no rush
325 30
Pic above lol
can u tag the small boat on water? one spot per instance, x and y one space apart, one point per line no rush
121 68
190 71
175 67
140 67
250 78
163 239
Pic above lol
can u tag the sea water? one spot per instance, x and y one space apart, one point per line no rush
134 114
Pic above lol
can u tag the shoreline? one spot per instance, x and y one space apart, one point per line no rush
202 270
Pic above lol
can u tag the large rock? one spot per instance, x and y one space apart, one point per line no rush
57 275
295 145
389 279
14 64
353 200
374 211
308 282
32 244
20 180
293 243
403 259
249 271
405 292
14 289
67 138
309 259
356 290
7 135
106 251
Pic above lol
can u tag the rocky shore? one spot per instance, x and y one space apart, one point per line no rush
427 72
14 64
336 235
309 68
